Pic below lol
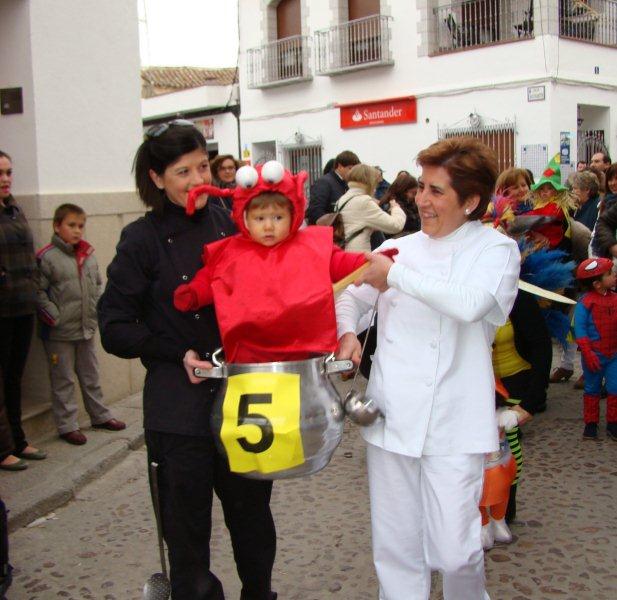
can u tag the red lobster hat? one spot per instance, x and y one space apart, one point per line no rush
251 182
593 267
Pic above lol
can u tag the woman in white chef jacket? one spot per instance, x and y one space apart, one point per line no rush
450 286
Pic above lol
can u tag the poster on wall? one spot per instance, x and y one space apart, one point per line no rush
206 126
534 157
564 147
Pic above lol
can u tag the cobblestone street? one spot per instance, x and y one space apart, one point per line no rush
103 545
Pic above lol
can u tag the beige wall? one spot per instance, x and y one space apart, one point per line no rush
107 214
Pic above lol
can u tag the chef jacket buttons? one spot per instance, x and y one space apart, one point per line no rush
196 315
170 240
185 277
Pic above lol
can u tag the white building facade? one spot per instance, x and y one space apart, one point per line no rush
208 97
386 78
71 122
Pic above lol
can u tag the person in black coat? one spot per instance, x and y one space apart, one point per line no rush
137 319
330 187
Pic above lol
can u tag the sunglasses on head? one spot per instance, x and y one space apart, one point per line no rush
157 130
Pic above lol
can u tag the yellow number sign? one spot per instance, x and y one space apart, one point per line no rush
261 422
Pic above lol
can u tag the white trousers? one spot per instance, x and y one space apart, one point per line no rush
425 516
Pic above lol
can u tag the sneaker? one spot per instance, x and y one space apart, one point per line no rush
591 431
488 540
611 431
561 375
579 384
501 532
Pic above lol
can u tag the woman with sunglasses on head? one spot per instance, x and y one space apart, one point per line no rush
138 320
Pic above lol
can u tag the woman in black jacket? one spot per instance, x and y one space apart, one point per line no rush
137 319
17 307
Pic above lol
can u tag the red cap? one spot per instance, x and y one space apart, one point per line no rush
593 267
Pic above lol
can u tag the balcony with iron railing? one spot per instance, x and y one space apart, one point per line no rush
279 63
476 23
354 45
589 21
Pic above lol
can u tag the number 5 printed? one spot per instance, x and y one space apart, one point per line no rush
261 422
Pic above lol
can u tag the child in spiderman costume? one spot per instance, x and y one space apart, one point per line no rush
595 328
272 282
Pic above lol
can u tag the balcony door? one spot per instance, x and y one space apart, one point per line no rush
289 42
365 34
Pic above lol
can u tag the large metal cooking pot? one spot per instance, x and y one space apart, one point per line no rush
279 419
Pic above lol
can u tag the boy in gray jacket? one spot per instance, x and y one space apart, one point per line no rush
69 287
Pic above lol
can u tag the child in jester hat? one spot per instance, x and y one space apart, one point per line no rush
551 199
271 283
595 328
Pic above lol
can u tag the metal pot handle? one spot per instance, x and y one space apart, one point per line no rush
336 366
219 371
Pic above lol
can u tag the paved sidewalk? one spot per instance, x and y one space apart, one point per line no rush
103 545
50 483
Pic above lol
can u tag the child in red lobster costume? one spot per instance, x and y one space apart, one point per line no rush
595 328
272 282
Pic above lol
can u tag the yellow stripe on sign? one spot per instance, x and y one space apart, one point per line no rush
261 422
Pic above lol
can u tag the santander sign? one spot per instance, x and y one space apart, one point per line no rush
381 112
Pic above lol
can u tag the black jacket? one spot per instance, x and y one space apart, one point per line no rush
533 343
604 233
137 318
323 195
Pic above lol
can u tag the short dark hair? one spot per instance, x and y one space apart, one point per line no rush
346 159
611 173
219 159
157 152
471 166
64 210
269 199
399 187
606 159
5 155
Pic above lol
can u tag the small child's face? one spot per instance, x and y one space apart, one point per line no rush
268 225
608 280
546 191
71 229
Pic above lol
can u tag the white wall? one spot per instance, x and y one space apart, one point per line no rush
18 132
86 72
207 96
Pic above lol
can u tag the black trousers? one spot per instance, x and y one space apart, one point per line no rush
15 337
190 468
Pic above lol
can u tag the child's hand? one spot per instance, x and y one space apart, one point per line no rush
191 361
592 361
185 298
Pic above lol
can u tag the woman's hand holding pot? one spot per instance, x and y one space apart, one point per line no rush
191 362
349 348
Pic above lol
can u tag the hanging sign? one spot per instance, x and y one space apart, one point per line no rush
380 112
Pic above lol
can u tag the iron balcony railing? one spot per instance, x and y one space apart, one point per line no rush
354 45
476 23
280 62
589 21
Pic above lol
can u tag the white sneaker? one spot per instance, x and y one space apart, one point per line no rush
501 531
488 540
